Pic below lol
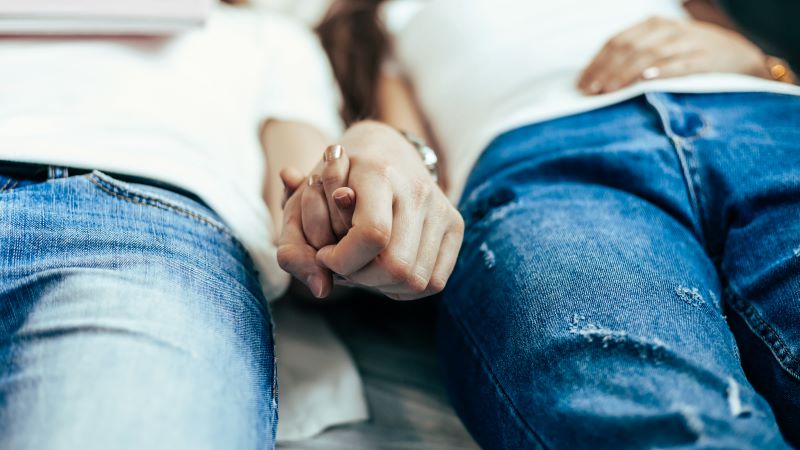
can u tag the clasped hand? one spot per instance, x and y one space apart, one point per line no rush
371 214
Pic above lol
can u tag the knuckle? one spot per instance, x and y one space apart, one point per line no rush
376 234
436 285
628 45
622 43
399 270
331 178
615 42
318 239
418 282
420 189
458 224
338 267
386 172
658 52
285 256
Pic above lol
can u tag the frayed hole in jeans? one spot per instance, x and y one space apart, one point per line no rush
488 256
646 349
690 296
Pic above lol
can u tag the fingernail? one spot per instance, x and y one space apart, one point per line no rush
343 200
595 87
315 285
332 153
313 179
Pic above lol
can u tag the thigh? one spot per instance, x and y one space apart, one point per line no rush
750 160
126 325
584 316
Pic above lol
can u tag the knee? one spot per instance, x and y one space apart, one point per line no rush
111 389
117 361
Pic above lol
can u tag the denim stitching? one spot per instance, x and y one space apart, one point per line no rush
497 385
144 200
5 186
697 184
763 330
680 151
700 193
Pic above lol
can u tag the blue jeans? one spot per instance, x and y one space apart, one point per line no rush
630 278
129 318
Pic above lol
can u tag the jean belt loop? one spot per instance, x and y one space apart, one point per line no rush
55 172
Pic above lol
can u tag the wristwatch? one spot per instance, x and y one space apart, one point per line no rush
428 154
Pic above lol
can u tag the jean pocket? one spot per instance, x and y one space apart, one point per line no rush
154 197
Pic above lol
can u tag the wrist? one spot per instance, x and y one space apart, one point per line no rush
428 154
377 138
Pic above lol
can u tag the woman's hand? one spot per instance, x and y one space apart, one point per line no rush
312 220
663 48
404 234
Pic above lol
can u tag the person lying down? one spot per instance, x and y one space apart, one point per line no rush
621 170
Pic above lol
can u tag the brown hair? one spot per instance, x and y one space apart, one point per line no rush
356 43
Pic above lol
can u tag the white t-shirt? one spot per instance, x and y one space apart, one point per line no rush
480 68
184 109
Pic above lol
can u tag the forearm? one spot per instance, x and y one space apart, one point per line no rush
287 144
397 107
708 11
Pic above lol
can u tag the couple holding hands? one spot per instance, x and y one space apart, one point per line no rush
622 268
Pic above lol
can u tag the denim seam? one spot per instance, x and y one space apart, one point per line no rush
144 200
533 435
680 151
700 193
763 330
697 182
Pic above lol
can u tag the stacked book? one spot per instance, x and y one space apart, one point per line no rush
101 17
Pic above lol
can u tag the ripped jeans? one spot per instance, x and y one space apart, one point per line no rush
130 318
630 278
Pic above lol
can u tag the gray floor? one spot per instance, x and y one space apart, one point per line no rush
392 344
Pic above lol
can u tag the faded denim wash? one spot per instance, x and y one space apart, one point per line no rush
630 278
130 318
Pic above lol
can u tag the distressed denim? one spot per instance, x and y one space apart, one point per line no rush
130 318
630 278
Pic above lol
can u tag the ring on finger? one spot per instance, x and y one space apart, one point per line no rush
651 73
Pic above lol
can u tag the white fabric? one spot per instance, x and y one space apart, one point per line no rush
310 12
483 67
312 400
187 110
